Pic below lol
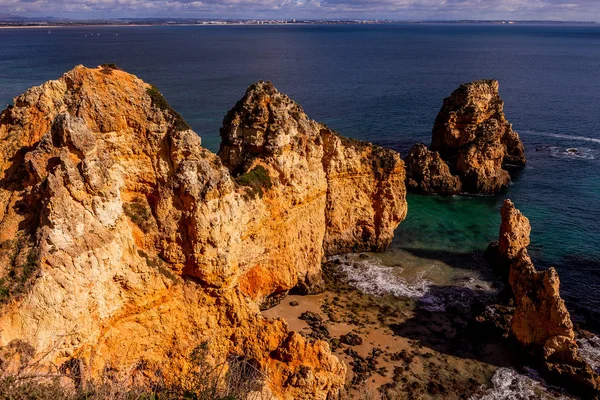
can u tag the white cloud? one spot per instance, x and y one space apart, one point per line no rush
393 9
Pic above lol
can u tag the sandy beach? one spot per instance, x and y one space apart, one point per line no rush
394 348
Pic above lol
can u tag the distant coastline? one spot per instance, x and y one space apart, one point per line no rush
21 22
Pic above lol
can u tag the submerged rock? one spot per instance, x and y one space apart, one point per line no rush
124 242
473 137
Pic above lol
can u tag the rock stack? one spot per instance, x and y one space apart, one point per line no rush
541 322
471 148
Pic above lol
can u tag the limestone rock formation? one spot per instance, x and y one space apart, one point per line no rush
124 243
474 138
514 237
541 321
514 231
360 186
540 315
427 173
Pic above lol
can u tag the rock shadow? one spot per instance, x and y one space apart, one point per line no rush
445 321
473 261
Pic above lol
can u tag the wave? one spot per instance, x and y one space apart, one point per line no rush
563 136
370 276
589 349
584 153
509 384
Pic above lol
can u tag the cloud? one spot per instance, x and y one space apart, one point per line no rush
392 9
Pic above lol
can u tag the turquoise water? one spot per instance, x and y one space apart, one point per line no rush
459 224
386 84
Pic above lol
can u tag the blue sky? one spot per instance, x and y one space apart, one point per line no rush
317 9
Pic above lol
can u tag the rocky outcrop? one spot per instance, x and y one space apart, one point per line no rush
514 237
474 139
541 322
124 244
541 316
359 186
427 173
514 232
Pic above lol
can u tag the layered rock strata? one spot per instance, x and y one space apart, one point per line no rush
473 137
124 243
541 321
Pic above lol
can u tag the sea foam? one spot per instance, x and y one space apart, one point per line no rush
589 349
508 384
370 276
572 152
563 136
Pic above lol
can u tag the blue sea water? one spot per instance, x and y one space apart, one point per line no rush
386 83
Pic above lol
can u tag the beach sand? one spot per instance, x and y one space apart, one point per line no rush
406 352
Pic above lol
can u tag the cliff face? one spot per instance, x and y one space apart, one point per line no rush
123 242
341 195
474 138
541 321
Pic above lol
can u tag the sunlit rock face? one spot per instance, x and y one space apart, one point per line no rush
124 242
473 137
541 322
428 173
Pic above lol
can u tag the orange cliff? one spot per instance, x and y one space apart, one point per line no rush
124 242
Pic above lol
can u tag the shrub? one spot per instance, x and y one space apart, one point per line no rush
257 180
3 290
23 256
159 101
139 213
108 68
159 264
235 379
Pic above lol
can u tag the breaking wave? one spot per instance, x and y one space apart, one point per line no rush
370 276
560 149
508 384
572 152
589 349
563 136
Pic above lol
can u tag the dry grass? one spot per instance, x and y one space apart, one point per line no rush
234 379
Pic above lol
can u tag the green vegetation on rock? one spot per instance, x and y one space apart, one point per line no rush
235 379
109 68
23 258
139 213
159 101
258 180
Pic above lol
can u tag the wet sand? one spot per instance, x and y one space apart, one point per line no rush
399 354
401 349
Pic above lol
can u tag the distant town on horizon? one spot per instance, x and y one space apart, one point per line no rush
9 20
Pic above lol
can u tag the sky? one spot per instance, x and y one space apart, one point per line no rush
588 10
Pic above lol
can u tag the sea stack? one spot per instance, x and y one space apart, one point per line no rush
541 322
125 245
472 136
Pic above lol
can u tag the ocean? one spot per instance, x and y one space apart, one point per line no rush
385 84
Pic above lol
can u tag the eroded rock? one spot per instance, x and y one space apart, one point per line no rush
473 137
427 173
123 242
541 322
